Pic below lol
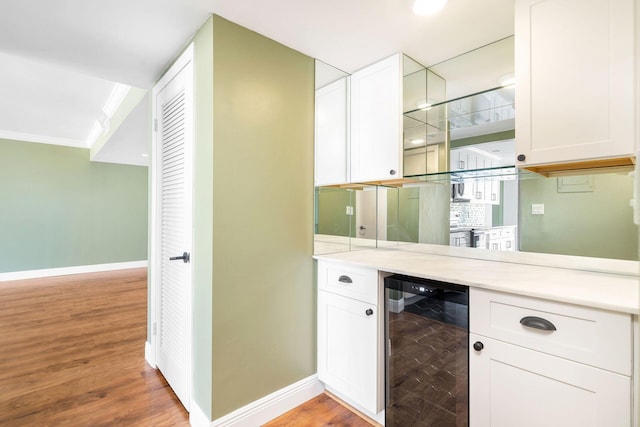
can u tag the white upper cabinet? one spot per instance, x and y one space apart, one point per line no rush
331 143
575 80
376 121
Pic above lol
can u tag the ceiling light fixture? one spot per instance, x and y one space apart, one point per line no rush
428 7
416 141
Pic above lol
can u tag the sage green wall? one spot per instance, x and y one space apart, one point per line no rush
596 224
264 304
332 216
58 209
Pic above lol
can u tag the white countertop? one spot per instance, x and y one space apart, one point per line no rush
597 289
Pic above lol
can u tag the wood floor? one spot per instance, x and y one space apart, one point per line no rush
72 354
318 412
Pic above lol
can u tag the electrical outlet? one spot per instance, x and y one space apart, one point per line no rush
537 209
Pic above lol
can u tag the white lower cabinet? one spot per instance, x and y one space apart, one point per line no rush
532 362
350 360
542 363
514 386
346 337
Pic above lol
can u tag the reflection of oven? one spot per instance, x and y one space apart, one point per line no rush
427 359
478 239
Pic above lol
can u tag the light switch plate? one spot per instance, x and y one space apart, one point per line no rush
537 209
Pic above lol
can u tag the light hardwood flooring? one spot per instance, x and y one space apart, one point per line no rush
72 354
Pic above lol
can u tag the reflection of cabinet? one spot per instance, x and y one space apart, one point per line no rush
349 355
575 80
477 190
331 148
502 239
575 375
376 121
459 239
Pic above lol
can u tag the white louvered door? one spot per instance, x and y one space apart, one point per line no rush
173 114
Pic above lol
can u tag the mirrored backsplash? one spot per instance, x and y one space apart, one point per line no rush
581 215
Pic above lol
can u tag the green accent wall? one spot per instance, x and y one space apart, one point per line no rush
596 223
58 209
254 292
264 299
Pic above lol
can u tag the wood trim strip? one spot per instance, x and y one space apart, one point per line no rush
584 167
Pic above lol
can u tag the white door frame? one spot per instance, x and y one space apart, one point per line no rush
152 347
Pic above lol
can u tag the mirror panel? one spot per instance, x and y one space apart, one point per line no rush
464 190
479 70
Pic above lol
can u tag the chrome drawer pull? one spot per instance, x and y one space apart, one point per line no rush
345 279
537 323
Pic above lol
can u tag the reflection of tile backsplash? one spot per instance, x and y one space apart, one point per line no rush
469 214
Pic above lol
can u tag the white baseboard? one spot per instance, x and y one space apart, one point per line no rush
149 354
273 405
197 417
63 271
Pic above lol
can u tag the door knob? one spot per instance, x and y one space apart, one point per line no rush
369 312
185 257
478 346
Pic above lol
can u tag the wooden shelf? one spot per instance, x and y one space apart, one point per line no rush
622 164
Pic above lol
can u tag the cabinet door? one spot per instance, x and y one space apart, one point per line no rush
494 193
513 386
575 80
376 121
459 160
331 134
348 348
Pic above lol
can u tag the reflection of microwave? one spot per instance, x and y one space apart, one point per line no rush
457 193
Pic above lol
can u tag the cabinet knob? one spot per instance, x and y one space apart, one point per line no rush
478 346
369 312
392 172
521 157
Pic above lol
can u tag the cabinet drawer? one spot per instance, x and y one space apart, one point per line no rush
507 232
594 337
349 281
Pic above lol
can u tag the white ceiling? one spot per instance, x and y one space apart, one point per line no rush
61 59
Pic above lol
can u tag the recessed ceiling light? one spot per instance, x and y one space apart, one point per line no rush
416 141
428 7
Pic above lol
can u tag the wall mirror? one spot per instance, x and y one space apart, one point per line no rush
464 191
